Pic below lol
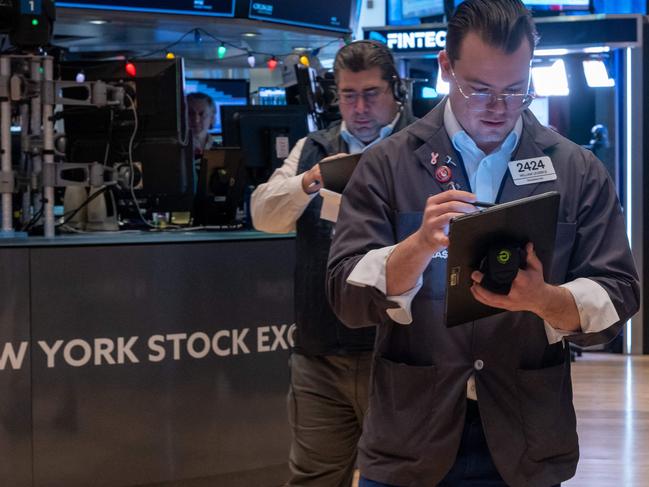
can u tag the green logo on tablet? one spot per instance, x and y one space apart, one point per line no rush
504 256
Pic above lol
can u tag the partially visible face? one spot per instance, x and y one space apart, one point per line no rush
368 114
483 68
201 116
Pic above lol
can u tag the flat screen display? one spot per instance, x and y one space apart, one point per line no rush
215 8
558 6
222 91
320 14
410 12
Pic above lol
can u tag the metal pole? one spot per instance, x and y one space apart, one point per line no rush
5 140
48 149
35 131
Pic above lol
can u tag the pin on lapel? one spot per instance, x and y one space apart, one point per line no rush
450 161
443 174
433 158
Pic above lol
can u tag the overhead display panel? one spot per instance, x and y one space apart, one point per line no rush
320 14
214 8
558 6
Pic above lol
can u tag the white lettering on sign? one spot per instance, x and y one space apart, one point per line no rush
15 358
430 39
81 352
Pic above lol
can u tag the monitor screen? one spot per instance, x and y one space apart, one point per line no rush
271 95
160 147
266 134
409 12
223 92
320 14
215 8
559 6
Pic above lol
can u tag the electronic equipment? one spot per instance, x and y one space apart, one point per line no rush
222 92
409 12
221 186
338 15
553 6
214 8
28 23
155 139
275 95
266 134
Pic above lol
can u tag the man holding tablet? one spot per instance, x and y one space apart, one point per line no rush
488 402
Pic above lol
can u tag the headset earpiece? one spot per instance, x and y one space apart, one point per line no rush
399 90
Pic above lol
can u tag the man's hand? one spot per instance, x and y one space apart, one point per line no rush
312 180
440 208
409 259
530 292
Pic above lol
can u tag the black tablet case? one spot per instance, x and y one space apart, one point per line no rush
336 172
532 219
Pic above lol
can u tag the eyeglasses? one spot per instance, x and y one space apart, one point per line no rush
478 102
370 96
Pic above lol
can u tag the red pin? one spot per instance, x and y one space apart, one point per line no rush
443 174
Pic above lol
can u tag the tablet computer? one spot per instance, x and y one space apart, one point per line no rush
337 169
532 219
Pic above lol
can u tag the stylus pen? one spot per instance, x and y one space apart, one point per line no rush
483 204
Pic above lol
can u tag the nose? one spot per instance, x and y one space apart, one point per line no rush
361 105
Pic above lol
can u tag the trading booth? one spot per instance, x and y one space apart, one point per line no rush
153 352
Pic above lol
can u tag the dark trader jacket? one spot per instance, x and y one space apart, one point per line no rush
318 331
418 398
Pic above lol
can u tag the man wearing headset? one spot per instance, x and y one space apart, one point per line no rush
489 402
330 364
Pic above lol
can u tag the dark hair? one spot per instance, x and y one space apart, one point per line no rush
198 96
364 55
503 24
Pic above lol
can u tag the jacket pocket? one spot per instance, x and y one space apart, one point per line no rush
549 421
402 405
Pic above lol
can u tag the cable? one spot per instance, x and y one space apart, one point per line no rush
132 165
70 215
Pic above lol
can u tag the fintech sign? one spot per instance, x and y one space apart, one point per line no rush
213 8
410 40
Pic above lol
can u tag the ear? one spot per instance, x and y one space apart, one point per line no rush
444 65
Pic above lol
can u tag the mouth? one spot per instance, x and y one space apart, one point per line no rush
494 124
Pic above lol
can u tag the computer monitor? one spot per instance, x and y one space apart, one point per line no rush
271 95
266 134
161 150
223 92
408 12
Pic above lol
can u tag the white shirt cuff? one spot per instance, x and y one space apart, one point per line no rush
596 310
294 188
370 271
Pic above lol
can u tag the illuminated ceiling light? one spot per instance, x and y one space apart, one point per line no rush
98 21
170 55
272 63
550 52
551 80
441 86
596 74
596 50
251 60
80 77
249 34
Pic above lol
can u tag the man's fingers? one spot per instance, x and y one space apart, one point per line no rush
451 195
457 207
